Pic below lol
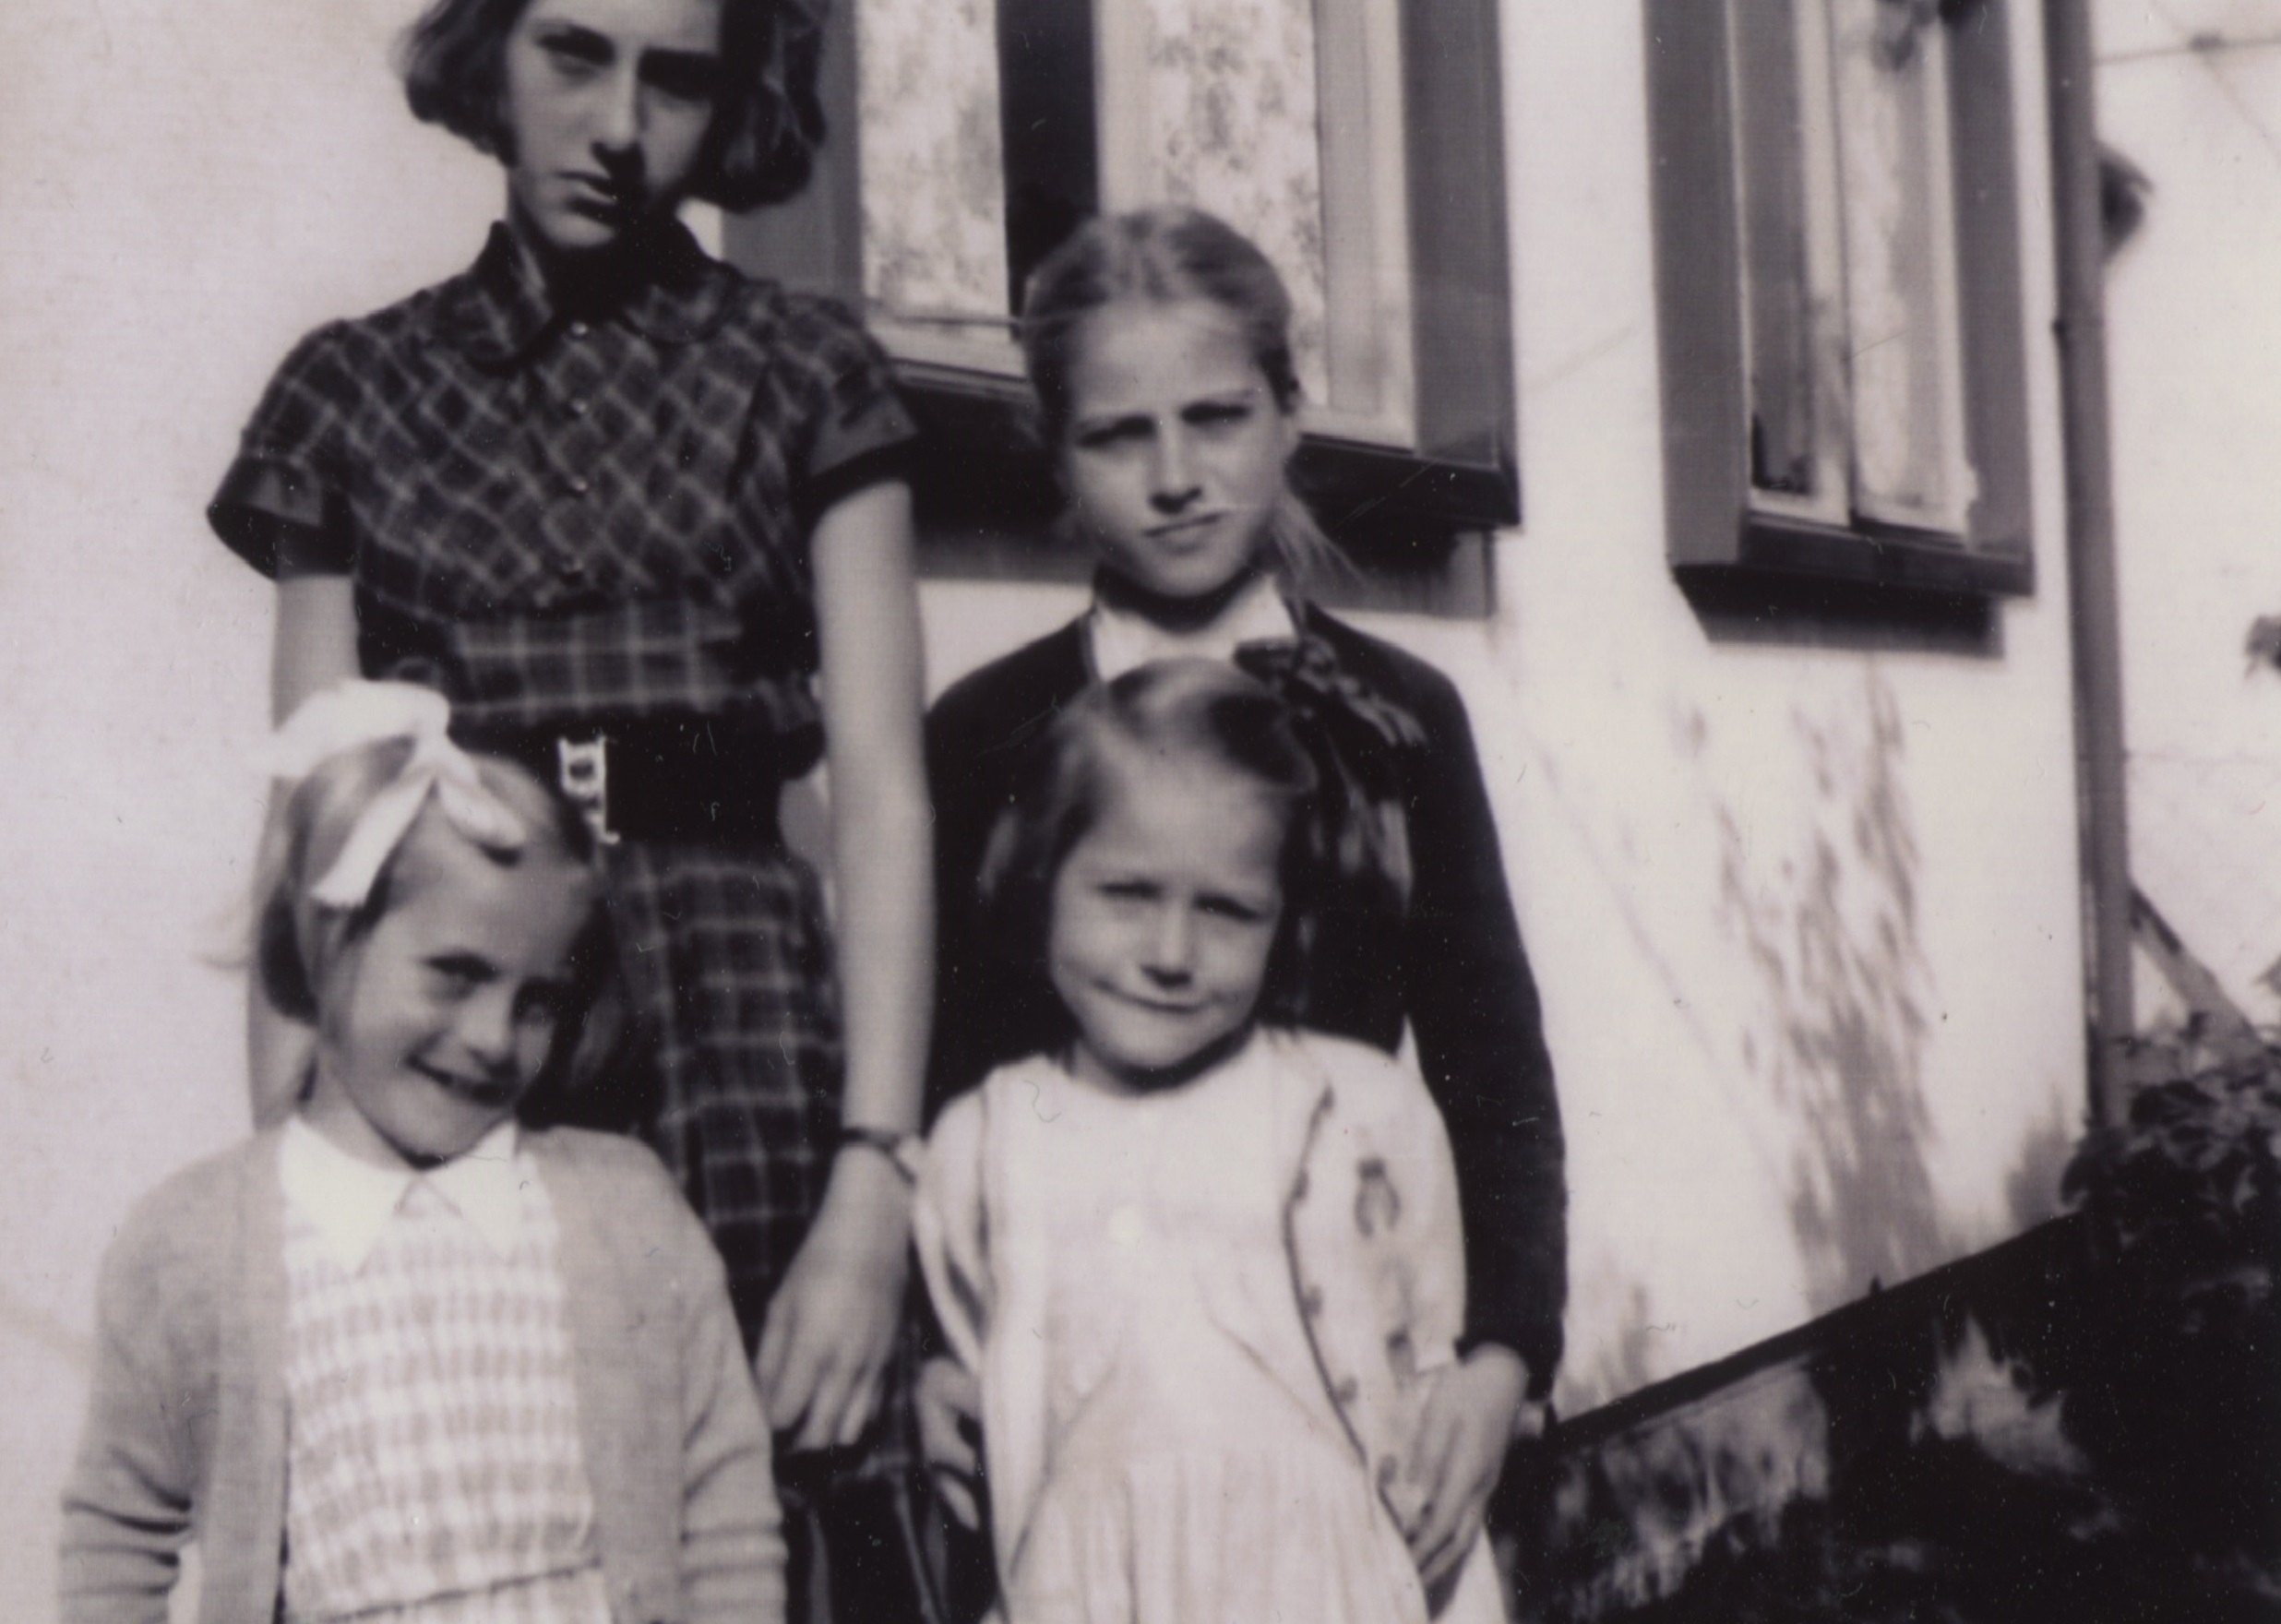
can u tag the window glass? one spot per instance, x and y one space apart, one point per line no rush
1849 252
1221 112
933 199
1886 72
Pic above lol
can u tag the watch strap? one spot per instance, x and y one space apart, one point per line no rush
902 1151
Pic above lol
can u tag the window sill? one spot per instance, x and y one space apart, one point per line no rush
1907 560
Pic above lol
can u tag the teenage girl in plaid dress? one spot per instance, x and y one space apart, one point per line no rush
624 506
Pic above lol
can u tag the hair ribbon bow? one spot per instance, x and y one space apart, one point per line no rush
1357 739
349 715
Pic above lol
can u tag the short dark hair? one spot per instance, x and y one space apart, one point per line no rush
1172 711
299 943
765 131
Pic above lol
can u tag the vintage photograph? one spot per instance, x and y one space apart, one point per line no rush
1141 811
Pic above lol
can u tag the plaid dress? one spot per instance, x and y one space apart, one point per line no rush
570 511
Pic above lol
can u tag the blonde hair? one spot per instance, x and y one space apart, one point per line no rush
1196 712
300 943
1166 254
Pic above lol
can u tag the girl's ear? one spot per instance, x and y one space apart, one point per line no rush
1291 433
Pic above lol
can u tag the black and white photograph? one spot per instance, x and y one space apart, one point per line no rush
1141 811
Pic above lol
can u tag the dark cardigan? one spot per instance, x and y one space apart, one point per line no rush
1456 973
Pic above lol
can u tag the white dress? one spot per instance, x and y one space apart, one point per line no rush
1193 1468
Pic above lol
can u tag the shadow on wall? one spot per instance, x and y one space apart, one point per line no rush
1833 940
1624 1362
2032 1188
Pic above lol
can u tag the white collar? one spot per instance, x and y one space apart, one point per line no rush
351 1200
1122 640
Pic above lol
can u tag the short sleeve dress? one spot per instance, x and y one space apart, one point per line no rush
592 514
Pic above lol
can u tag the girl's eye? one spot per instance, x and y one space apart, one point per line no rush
1217 414
455 977
1110 436
1128 890
1235 910
683 77
575 51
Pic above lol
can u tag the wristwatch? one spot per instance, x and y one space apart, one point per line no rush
904 1152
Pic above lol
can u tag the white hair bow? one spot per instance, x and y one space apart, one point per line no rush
354 713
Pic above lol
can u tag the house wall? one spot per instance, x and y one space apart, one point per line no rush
1804 916
2194 346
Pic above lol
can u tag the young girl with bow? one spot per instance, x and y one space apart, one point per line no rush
400 1357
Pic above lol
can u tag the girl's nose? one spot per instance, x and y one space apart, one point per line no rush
486 1029
618 112
1172 471
1172 946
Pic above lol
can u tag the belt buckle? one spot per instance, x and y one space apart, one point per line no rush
582 768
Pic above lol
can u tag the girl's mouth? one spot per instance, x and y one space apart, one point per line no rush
489 1093
600 199
1159 1007
1181 528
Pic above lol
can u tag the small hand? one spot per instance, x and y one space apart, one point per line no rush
833 1324
1472 1417
949 1400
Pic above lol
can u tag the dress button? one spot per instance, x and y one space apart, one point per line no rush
571 570
577 407
578 329
578 485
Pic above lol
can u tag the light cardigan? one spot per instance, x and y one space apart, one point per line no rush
186 1434
1374 1261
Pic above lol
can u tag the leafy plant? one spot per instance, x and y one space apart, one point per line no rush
2177 1389
2190 1181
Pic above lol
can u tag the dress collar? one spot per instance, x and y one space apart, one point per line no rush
674 293
1121 641
351 1200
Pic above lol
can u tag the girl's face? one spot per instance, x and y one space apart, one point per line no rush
608 105
436 1024
1163 916
1176 445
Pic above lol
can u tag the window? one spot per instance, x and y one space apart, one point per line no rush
1839 290
1358 141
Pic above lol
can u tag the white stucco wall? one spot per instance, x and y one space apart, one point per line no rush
2194 348
1779 1078
1806 918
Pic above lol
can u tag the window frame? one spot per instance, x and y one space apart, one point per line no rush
1718 526
986 494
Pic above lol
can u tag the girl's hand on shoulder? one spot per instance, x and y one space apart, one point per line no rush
833 1324
1475 1411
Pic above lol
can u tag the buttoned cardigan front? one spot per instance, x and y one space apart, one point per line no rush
1374 1260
